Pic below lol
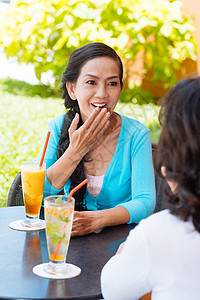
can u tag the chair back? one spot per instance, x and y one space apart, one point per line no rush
159 183
15 195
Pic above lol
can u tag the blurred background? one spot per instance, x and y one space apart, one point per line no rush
158 41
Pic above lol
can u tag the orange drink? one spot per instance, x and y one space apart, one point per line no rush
33 177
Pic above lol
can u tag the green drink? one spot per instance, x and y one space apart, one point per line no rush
59 218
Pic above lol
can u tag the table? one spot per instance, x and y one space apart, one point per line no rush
21 251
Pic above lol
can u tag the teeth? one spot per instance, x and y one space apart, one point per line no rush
99 104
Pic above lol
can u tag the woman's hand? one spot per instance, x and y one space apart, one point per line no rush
83 139
86 222
120 247
81 142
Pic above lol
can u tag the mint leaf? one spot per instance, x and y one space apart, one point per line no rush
53 232
58 200
51 228
57 237
64 219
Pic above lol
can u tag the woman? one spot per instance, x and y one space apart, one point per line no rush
92 141
162 254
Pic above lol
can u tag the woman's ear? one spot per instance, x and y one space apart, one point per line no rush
70 89
172 184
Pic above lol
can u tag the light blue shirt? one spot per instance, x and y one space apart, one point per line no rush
129 179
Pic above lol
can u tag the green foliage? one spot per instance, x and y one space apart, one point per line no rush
46 32
21 88
23 125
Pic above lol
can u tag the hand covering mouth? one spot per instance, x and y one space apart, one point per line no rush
99 104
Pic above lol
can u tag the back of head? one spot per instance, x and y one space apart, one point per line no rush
179 147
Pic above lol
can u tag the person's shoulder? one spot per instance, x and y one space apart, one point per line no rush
155 221
156 218
133 124
58 119
56 123
152 228
160 224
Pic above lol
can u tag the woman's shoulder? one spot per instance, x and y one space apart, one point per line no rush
133 124
55 124
57 121
132 129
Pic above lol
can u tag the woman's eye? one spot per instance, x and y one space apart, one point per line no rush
91 82
113 83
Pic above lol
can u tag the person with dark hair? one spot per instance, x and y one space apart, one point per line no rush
162 254
92 141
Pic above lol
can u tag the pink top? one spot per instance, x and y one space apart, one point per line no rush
94 184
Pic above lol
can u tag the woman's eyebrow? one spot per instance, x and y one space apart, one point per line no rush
91 75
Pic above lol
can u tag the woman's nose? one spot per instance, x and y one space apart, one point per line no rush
102 91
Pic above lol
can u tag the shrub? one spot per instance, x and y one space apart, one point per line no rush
46 32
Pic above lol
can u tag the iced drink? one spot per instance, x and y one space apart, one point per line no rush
58 217
33 177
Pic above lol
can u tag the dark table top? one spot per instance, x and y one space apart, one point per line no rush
21 251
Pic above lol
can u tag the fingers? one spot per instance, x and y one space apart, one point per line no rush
91 118
83 223
97 121
74 124
77 233
77 226
101 125
121 246
84 138
100 120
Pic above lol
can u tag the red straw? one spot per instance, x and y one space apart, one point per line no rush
76 189
45 148
70 195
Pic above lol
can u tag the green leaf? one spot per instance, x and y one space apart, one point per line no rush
56 238
53 232
31 30
64 219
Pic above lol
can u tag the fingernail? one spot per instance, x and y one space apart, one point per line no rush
76 116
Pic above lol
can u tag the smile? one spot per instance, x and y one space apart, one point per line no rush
97 104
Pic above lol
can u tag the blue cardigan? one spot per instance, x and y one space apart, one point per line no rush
129 179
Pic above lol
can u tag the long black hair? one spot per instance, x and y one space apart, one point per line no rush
76 61
179 148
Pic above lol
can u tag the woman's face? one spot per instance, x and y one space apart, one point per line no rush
98 85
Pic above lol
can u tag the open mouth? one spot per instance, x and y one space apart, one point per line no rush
100 105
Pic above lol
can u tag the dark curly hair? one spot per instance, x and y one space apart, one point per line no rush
179 148
76 61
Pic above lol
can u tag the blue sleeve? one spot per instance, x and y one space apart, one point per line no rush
142 203
50 158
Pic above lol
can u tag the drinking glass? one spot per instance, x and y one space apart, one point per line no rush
33 177
58 212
